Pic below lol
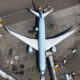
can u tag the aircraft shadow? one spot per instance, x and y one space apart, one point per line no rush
61 33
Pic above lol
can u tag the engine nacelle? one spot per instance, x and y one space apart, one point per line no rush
36 29
30 49
53 49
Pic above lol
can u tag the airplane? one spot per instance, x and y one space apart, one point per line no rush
41 44
6 76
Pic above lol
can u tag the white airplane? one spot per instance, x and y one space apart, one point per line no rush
41 44
6 76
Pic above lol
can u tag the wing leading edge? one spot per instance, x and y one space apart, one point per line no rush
52 42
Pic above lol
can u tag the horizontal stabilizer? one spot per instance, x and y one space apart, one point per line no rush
46 13
35 13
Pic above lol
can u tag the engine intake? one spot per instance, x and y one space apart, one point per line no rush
30 49
53 49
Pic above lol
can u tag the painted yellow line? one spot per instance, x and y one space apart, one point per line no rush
34 72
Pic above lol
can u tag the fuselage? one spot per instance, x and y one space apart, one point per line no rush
41 44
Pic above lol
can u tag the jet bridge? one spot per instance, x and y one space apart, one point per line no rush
52 64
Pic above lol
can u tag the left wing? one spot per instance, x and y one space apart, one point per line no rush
52 42
32 42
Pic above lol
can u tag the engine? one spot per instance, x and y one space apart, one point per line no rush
30 49
36 29
53 49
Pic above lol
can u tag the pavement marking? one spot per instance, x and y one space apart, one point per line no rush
34 72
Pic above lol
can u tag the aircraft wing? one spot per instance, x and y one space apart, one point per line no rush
52 42
32 42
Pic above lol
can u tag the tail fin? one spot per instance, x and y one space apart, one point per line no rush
34 12
46 13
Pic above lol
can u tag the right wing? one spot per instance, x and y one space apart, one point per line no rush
32 42
54 41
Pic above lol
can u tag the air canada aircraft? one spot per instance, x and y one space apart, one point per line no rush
41 44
